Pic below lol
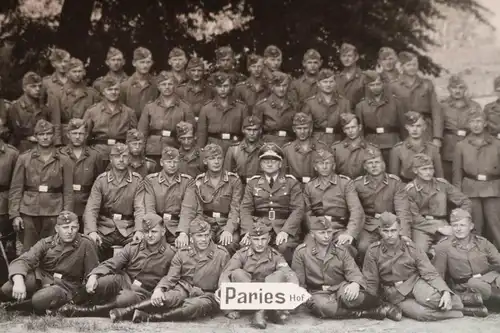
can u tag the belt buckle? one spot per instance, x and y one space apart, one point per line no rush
111 142
225 136
137 283
57 276
396 284
235 138
461 133
306 180
43 188
196 118
329 218
77 187
282 133
329 130
482 177
216 215
272 215
477 275
167 216
380 130
117 216
429 217
166 133
325 287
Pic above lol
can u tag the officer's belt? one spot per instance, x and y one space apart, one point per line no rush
459 132
331 218
82 188
104 141
391 283
381 130
164 133
465 280
211 213
170 217
480 177
225 136
435 217
272 215
244 180
4 188
48 189
327 130
123 217
277 133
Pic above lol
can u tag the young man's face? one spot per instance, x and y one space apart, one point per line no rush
223 90
33 90
252 133
425 172
273 63
256 69
214 163
349 58
311 66
201 240
324 168
167 87
120 161
226 63
270 166
77 136
116 63
303 132
323 237
143 66
177 63
154 235
376 87
67 232
280 89
457 91
260 243
411 67
111 94
45 138
352 130
328 85
76 74
196 73
374 166
61 65
417 129
170 166
477 125
187 141
390 235
136 148
462 229
388 63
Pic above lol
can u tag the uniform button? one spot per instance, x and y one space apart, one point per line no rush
270 195
271 203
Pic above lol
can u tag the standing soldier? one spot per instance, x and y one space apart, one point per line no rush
115 209
401 156
380 192
455 109
139 163
139 89
115 62
259 262
24 113
75 98
299 153
159 118
418 94
52 84
428 198
216 195
407 277
177 60
164 192
255 88
273 58
349 153
351 81
477 175
221 119
275 199
326 108
331 275
196 92
387 61
51 272
87 165
276 112
381 115
243 158
225 63
306 86
492 111
191 161
41 187
334 197
472 263
109 120
187 292
129 277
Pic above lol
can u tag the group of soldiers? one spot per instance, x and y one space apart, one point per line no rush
136 197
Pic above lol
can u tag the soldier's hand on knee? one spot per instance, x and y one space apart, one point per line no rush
351 291
226 238
91 284
18 224
182 240
157 298
19 288
445 302
245 241
281 238
96 238
345 239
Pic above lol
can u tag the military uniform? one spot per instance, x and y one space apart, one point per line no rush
235 76
303 88
349 156
191 162
136 96
195 96
119 76
248 92
352 88
52 88
401 157
298 161
276 117
243 159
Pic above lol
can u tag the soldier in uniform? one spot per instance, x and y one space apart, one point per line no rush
221 119
477 175
52 84
243 158
387 60
127 278
139 89
380 192
276 112
428 198
191 161
41 187
225 62
406 277
139 163
259 262
418 94
331 275
401 156
75 98
349 153
255 88
115 62
25 112
87 165
274 198
196 92
306 86
298 154
472 264
164 192
455 109
351 80
115 209
216 195
159 118
381 115
187 292
273 58
326 107
492 111
177 60
50 273
109 120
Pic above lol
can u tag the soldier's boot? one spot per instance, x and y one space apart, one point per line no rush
388 310
71 310
471 299
374 313
493 303
478 311
178 314
393 312
259 320
24 306
124 313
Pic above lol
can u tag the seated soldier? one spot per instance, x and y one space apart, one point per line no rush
429 197
472 263
331 275
259 263
216 196
129 277
187 291
50 273
407 277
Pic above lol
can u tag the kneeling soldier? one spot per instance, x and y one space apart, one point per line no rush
259 263
331 275
51 272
